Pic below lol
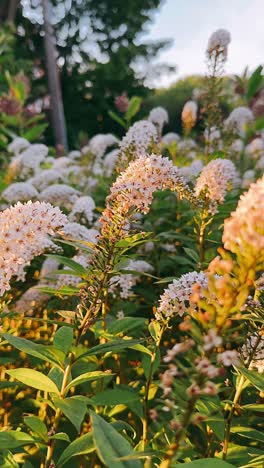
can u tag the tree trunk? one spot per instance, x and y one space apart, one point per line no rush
57 111
12 9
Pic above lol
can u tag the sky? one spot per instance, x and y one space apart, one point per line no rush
190 23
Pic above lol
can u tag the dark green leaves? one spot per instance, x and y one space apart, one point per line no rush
110 445
63 339
74 408
14 439
255 82
254 377
37 426
80 446
42 352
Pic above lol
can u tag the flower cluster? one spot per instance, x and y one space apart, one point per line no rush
19 191
218 42
244 230
176 299
189 114
59 194
24 233
127 281
99 143
139 138
134 188
159 117
83 208
214 181
239 119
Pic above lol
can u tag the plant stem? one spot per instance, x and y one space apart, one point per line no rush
148 383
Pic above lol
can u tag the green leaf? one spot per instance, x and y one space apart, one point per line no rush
33 378
74 408
35 132
133 108
248 432
87 377
60 436
254 407
208 463
63 339
115 396
14 439
110 445
63 291
110 347
33 349
67 314
254 377
125 325
80 446
37 426
75 266
254 82
116 117
155 329
192 254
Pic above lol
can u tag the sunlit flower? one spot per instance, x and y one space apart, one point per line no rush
244 230
24 231
176 298
214 181
189 114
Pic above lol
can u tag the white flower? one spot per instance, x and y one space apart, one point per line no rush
139 138
192 171
83 207
99 143
159 117
214 181
256 343
75 231
59 194
109 162
255 148
120 315
212 340
19 191
61 163
176 298
218 42
125 282
170 138
45 178
229 358
24 231
17 145
248 178
239 119
136 185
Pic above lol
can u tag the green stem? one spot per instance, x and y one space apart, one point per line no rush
148 383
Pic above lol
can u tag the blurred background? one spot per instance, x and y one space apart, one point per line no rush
74 63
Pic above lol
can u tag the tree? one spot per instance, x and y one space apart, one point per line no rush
100 54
